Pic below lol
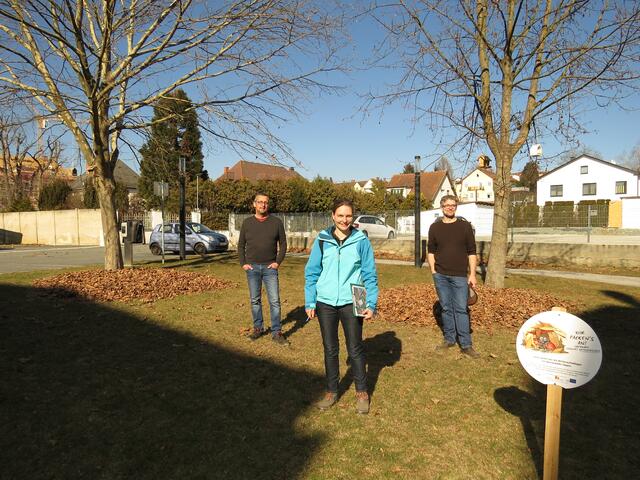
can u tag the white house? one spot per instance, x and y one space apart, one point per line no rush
364 186
433 185
587 178
477 186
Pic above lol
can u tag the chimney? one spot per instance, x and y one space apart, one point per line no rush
226 171
291 169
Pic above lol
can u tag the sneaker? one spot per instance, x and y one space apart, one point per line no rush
328 401
278 337
256 333
445 345
470 352
362 403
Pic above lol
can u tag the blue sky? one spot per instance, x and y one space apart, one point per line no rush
335 140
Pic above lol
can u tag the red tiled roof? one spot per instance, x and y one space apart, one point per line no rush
253 172
430 182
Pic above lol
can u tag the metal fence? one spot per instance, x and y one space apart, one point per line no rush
560 214
304 222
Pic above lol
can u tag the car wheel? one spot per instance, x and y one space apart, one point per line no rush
155 249
200 249
391 236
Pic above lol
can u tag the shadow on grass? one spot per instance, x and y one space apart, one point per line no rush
600 429
382 350
89 391
299 318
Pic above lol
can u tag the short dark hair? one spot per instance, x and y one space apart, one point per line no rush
341 202
448 197
260 194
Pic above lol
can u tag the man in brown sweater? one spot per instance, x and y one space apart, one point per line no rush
261 248
452 258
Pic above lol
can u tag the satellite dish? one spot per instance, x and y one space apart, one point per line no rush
535 150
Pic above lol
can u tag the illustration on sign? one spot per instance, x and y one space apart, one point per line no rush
545 337
557 348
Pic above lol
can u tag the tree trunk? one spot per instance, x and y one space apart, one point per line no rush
499 245
105 188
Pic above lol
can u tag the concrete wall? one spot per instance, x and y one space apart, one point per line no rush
56 227
585 254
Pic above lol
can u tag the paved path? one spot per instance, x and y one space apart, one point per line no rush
27 259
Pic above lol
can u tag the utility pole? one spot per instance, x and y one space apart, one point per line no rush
418 243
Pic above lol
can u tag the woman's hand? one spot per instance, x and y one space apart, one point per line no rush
368 314
311 312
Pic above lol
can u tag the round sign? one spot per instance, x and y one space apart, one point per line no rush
557 348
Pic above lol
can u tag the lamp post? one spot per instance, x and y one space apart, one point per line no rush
416 222
182 170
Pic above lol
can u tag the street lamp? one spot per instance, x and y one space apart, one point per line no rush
182 168
416 212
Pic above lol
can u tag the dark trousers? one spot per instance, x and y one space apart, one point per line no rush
328 318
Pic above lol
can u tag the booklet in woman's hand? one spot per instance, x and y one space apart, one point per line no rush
359 296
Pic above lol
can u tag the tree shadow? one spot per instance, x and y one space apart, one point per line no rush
382 350
600 423
530 410
92 391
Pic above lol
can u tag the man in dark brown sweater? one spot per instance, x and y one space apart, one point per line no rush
452 258
261 248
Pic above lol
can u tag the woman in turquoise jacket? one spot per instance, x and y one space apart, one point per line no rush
341 256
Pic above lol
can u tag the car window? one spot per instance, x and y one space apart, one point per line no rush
188 231
168 228
200 228
365 220
379 222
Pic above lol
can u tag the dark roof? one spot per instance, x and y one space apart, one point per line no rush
595 159
253 172
430 182
123 174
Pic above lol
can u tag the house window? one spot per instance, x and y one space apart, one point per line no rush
621 188
584 169
397 191
556 190
588 189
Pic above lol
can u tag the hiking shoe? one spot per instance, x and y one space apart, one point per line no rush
362 403
256 333
328 401
445 345
278 337
470 352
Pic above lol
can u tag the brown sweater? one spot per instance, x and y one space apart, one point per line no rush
451 244
262 242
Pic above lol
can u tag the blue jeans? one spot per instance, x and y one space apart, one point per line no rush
453 293
269 276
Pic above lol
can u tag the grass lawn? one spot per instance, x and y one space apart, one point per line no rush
173 390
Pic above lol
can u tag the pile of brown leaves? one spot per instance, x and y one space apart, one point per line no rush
145 284
508 307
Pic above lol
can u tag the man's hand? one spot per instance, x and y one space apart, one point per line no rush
311 312
246 267
273 265
368 314
472 280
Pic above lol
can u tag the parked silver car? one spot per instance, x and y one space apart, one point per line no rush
198 238
374 227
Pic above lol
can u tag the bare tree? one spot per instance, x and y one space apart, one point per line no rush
98 65
492 70
25 161
444 164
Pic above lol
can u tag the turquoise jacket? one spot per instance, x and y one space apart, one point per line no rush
330 271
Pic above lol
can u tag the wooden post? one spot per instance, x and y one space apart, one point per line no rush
552 427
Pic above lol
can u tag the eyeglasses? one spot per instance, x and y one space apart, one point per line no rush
261 202
450 205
